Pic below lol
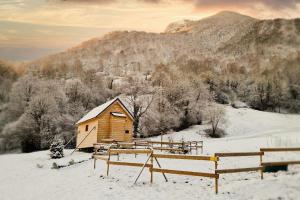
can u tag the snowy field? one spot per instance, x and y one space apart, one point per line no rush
30 177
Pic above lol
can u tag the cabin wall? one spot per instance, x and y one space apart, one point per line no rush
107 127
110 126
82 133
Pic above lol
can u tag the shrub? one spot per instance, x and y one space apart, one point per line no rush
57 149
217 134
222 98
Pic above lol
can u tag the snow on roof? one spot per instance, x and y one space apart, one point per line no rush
118 114
96 111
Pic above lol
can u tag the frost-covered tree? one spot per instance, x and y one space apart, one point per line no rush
139 95
42 116
57 149
22 92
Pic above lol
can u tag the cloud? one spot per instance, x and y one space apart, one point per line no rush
207 4
274 4
102 1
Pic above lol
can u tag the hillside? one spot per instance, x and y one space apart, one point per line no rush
223 38
27 172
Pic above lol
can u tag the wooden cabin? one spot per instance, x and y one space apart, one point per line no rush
111 120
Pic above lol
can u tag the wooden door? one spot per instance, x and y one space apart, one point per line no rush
117 128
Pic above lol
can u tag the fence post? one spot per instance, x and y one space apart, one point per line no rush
262 169
216 185
217 177
108 161
151 167
135 148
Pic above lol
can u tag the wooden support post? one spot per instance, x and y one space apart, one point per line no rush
137 178
196 148
160 167
217 177
118 156
190 147
108 162
216 165
135 148
151 168
262 169
216 185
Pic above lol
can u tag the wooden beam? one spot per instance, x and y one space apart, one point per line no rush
125 143
167 149
131 151
280 163
164 142
189 173
129 164
226 171
234 154
279 149
97 157
185 157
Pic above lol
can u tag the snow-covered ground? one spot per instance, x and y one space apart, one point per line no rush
29 176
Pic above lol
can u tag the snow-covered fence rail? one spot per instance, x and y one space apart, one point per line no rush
188 173
180 146
267 164
171 146
130 164
237 170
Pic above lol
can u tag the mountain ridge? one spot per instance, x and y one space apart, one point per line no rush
225 38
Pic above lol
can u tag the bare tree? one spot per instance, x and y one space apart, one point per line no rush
216 116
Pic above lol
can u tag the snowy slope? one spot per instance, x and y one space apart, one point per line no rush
246 123
20 178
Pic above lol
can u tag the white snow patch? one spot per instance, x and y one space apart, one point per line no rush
248 130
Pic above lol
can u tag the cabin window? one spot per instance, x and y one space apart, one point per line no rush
127 131
86 127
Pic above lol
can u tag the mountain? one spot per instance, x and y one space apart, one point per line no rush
224 38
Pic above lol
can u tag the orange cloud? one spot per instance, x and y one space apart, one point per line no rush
274 4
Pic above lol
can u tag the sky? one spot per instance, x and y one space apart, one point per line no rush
33 28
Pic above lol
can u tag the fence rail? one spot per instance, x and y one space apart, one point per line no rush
130 164
186 157
237 170
238 154
189 173
279 149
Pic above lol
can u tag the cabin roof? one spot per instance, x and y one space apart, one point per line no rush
98 110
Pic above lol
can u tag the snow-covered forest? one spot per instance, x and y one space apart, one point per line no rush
41 103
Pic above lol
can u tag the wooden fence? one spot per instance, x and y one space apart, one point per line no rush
152 156
237 170
179 147
188 173
270 150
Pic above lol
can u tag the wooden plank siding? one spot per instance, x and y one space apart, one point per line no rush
82 133
107 127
